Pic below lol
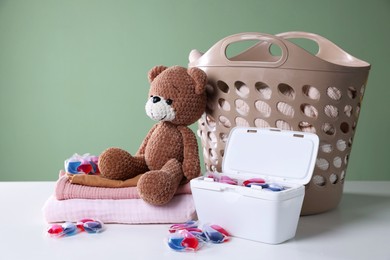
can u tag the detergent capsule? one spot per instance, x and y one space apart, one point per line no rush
216 234
69 228
82 164
253 180
275 187
220 230
93 226
227 180
80 223
183 240
175 242
55 230
262 185
187 225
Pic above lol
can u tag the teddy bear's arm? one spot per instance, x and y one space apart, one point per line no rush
191 162
141 149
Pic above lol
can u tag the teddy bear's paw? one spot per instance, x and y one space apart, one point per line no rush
158 187
118 164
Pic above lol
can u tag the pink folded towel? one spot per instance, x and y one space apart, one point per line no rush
125 211
65 190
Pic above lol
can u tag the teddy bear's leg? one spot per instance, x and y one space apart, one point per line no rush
118 164
157 187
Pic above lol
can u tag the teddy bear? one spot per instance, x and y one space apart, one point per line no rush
168 156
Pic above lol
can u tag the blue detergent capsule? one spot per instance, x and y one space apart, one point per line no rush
69 228
72 167
213 235
275 187
93 226
175 242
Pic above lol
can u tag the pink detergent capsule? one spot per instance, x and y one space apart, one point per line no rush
210 175
55 230
187 225
253 180
190 241
85 167
227 180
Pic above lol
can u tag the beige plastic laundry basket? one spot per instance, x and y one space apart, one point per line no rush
294 90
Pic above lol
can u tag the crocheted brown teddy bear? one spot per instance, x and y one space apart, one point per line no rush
169 154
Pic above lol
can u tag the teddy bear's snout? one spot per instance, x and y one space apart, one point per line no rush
158 108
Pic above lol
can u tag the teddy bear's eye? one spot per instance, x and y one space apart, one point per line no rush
169 101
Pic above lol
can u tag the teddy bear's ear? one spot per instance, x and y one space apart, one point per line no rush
155 71
200 78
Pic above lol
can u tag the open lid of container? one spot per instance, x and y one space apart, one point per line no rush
288 156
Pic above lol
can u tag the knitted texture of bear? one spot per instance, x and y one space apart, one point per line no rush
168 156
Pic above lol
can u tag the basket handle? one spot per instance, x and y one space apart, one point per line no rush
267 38
327 50
328 57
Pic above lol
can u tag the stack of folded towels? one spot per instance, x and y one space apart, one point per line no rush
72 202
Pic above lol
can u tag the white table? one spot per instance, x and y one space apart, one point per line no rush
358 229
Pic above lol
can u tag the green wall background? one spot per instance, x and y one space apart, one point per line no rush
73 74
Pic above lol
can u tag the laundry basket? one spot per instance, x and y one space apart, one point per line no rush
296 90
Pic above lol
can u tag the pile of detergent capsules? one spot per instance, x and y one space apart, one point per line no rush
82 164
188 237
257 183
69 228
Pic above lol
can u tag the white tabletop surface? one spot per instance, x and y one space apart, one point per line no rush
358 229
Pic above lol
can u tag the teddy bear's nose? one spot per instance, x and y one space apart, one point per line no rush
156 99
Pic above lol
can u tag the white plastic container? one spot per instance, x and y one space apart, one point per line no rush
278 156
